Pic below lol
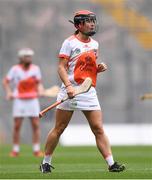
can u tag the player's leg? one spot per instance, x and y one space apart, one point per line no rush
35 122
95 121
62 120
16 136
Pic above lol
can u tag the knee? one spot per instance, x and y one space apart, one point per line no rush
98 131
17 127
59 130
36 127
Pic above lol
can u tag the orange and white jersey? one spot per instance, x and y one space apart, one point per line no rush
24 82
81 58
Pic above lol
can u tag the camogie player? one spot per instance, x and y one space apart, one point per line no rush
26 80
77 61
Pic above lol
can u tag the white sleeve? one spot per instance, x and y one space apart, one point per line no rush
10 74
65 50
97 53
38 74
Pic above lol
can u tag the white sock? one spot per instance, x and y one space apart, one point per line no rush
16 148
47 159
109 160
36 147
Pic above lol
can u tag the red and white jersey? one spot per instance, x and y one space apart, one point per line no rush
81 58
25 82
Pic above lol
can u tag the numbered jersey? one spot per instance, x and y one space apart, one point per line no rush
25 82
81 58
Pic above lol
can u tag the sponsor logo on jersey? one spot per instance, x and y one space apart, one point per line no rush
76 52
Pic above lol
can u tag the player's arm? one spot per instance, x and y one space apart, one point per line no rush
101 67
40 89
6 85
62 70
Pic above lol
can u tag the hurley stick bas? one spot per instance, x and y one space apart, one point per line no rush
84 87
146 96
51 92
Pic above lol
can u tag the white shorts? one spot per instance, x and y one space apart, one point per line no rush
86 101
26 107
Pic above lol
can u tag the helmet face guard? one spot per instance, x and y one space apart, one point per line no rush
82 18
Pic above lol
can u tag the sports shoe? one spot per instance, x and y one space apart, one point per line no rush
116 167
14 154
46 168
38 154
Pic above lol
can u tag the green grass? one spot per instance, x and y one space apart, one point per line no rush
77 163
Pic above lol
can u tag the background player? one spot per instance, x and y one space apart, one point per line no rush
25 78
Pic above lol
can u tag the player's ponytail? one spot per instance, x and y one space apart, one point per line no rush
76 32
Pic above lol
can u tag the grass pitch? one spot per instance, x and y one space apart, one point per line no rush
77 163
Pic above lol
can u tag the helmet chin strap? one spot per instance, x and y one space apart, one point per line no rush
26 64
91 33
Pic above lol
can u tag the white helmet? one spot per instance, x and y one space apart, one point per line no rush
25 52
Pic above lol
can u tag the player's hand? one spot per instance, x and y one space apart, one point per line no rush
143 97
101 67
41 93
70 91
9 96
